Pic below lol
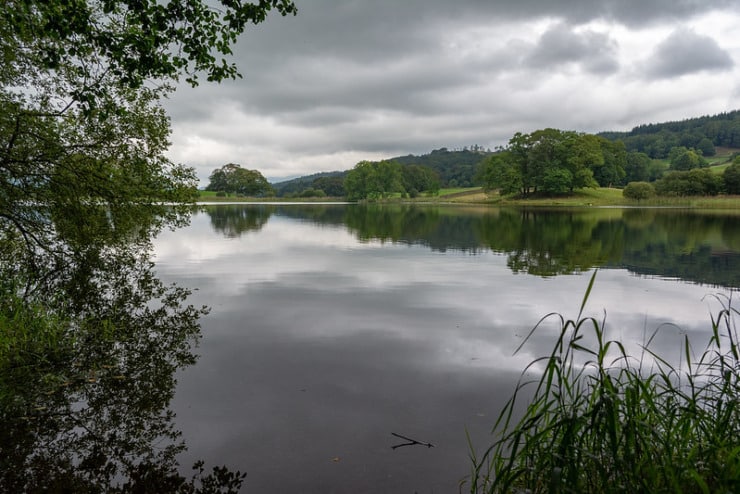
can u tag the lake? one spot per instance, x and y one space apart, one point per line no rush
333 326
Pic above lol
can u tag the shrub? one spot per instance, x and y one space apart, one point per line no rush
220 193
696 182
599 421
638 191
311 192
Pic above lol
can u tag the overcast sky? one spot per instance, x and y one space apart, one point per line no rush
350 80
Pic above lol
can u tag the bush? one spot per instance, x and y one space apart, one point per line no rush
311 192
638 191
220 193
604 421
696 182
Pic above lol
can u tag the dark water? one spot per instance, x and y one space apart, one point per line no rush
333 326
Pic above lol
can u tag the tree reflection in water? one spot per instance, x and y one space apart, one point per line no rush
91 341
692 245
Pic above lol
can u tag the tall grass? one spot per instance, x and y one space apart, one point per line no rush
599 420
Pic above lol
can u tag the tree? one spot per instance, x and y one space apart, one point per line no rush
696 182
613 171
420 179
373 180
686 159
637 167
543 154
233 179
705 182
389 177
638 191
93 45
656 169
582 153
551 161
706 147
75 97
557 181
675 152
731 177
332 186
501 172
81 126
83 140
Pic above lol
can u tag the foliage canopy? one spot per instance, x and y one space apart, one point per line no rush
233 179
703 133
80 121
90 339
552 162
373 180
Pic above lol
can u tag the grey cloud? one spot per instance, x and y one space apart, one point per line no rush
637 13
686 52
390 54
559 45
389 78
368 32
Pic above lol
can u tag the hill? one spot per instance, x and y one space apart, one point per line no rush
297 185
703 133
455 169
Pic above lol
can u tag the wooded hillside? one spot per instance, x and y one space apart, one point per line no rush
455 169
702 133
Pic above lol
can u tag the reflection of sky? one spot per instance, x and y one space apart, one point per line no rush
318 346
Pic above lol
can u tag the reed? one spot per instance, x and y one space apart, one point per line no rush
600 420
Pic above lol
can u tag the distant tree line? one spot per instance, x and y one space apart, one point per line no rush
322 184
378 180
455 168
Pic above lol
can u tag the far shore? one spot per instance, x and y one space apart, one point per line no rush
600 197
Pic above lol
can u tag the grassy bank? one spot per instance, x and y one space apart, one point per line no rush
600 197
604 421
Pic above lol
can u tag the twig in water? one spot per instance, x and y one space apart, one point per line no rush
411 442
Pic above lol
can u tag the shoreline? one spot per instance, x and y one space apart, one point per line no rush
603 197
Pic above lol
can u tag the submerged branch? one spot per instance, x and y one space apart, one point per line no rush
411 442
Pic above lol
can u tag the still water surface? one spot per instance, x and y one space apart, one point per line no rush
333 326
